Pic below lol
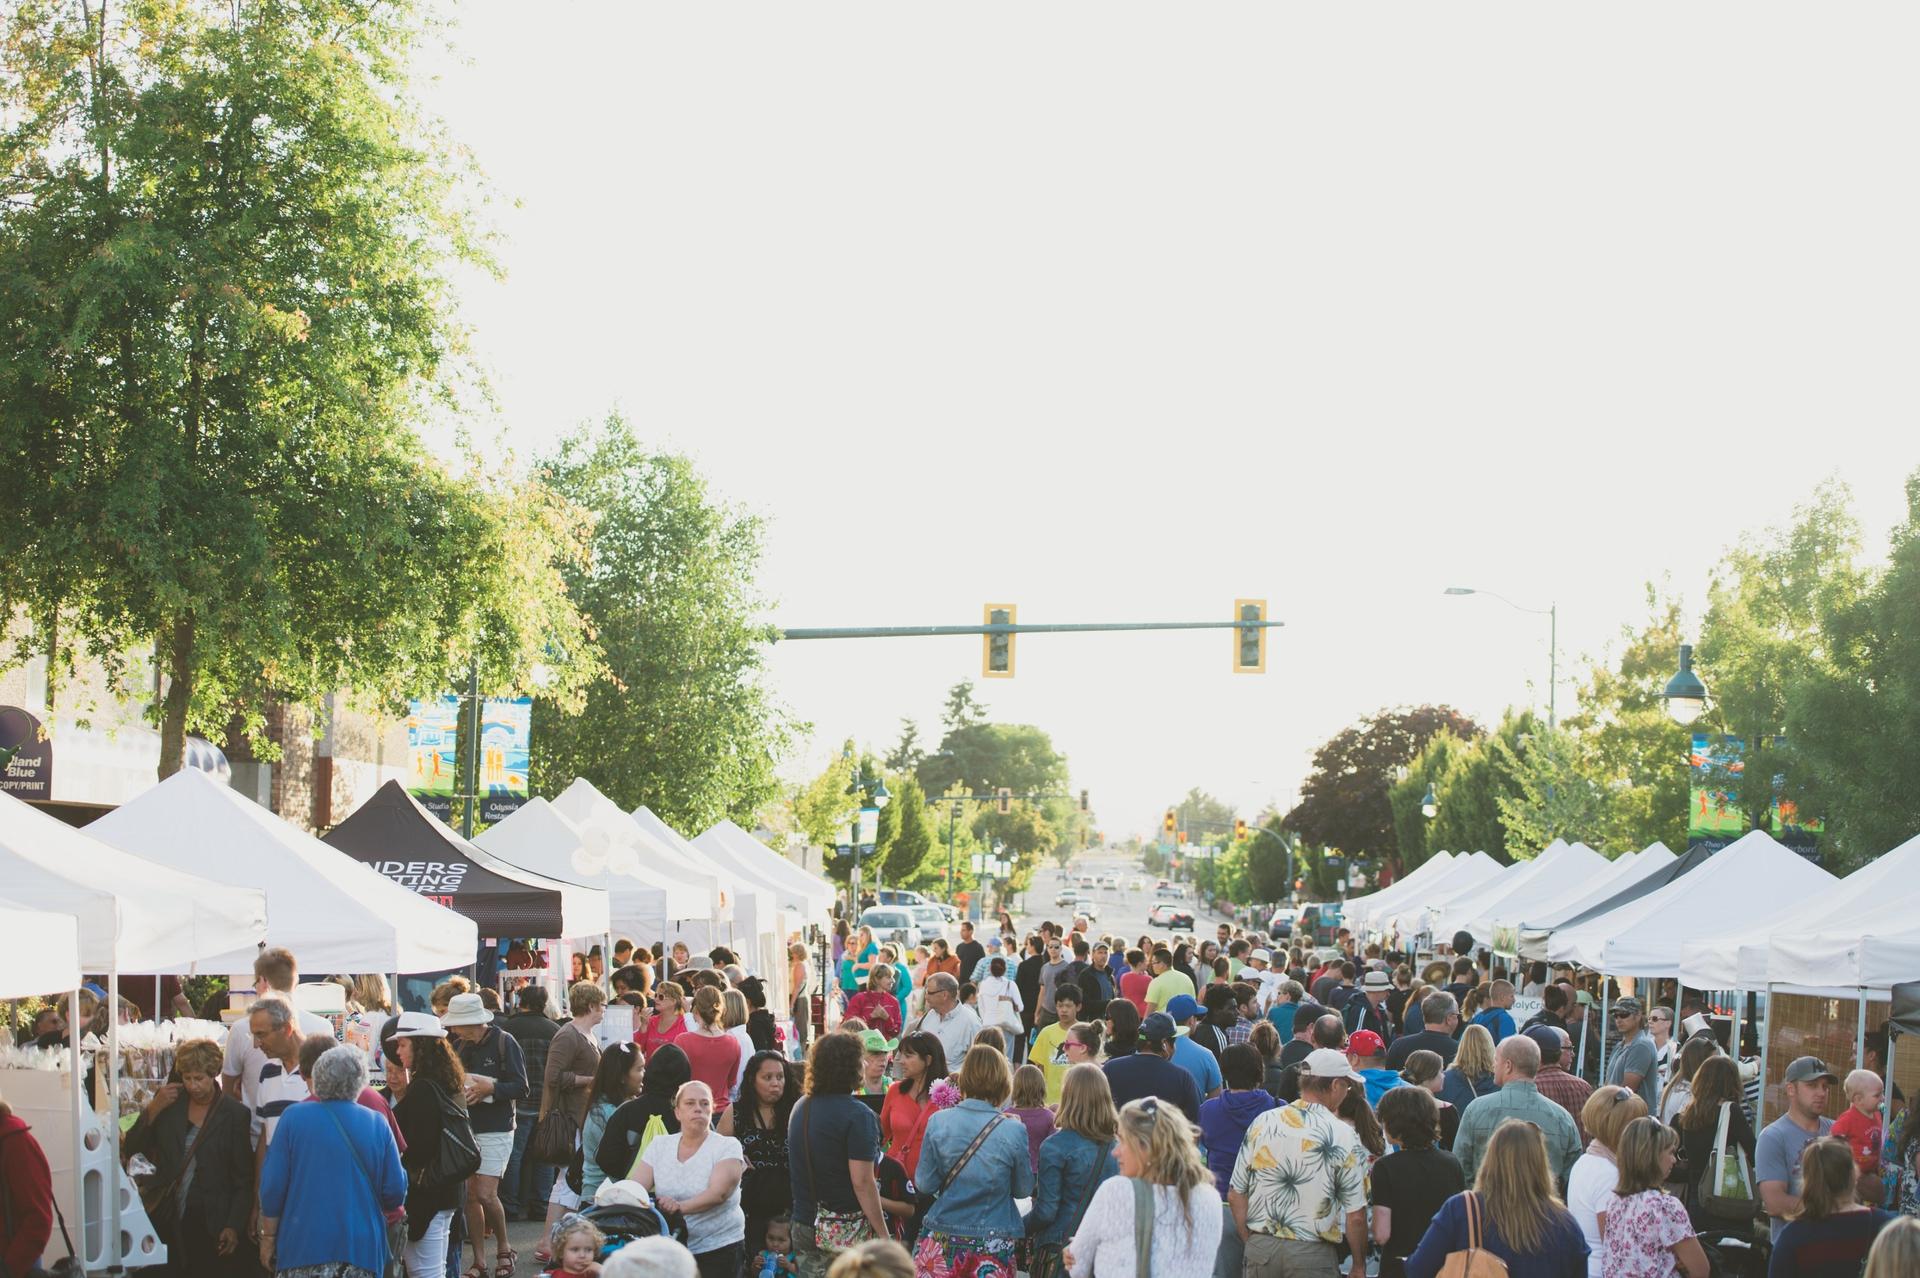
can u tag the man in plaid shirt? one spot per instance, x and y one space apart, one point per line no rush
1246 1001
1563 1089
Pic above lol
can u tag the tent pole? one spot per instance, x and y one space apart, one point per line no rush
1860 1035
112 1204
1733 1034
74 1026
1766 1032
1605 990
1886 1101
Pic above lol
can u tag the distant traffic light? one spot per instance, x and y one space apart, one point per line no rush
1170 824
1003 800
1239 829
1083 802
1249 641
1182 836
1299 885
996 651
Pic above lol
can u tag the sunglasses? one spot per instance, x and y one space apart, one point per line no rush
1621 1016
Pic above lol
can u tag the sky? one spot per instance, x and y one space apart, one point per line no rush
1122 312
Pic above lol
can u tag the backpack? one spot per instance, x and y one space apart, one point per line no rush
1475 1261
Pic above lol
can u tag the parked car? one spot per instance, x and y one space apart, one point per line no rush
931 922
1280 926
892 923
1088 907
1169 916
1320 922
899 896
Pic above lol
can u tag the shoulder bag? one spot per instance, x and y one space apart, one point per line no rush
1725 1188
833 1231
1142 1229
154 1195
926 1197
459 1154
556 1133
1475 1261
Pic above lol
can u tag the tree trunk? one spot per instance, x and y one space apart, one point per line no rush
173 708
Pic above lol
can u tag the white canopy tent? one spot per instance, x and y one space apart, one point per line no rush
539 837
332 911
43 951
1509 915
1746 879
1864 934
615 841
1416 914
1538 925
1475 877
755 916
795 889
1559 867
1363 910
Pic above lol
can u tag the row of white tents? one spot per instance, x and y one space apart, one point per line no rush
1753 916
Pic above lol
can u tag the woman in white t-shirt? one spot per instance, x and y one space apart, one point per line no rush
1000 1003
1596 1173
696 1171
1156 1149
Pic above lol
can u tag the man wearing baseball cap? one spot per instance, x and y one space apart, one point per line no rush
1632 1064
1149 1070
1299 1187
1368 1009
1185 1011
1776 1155
1369 1058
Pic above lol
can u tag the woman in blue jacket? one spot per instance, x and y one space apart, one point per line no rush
975 1162
331 1176
1075 1159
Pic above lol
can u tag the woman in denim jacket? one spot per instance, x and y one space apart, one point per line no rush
973 1226
1075 1159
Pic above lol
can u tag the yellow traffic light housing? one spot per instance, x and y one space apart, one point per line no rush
1249 641
1239 830
1170 824
996 651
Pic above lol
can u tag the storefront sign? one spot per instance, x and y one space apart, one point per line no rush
26 756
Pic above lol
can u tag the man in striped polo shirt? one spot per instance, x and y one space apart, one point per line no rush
274 1081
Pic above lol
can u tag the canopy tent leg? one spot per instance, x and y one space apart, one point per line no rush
1605 1012
81 1249
112 1205
1733 1033
1860 1036
1766 1033
1886 1101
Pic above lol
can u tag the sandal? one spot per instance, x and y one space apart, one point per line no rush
475 1270
505 1262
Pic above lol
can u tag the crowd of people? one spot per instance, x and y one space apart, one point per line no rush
1058 1103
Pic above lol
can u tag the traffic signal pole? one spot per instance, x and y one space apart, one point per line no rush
1023 628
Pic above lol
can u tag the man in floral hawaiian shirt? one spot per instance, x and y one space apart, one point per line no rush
1299 1185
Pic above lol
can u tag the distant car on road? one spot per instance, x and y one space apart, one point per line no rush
930 921
899 896
1136 885
1169 916
1087 906
1065 896
1280 926
892 923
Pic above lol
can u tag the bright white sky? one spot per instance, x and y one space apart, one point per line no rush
1119 312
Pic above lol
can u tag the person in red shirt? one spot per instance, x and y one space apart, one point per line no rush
713 1053
1133 986
28 1188
922 1062
1860 1127
669 1020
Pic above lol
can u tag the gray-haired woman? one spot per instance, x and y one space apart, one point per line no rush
331 1176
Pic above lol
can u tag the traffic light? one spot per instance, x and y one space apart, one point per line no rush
1299 885
996 651
1170 824
1239 829
1083 802
1249 641
1183 836
1003 800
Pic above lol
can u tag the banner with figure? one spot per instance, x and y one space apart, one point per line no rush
433 741
1716 813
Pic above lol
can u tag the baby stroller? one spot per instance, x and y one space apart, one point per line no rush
622 1223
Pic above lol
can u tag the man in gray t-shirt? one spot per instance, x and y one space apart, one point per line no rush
1632 1064
1056 963
1776 1154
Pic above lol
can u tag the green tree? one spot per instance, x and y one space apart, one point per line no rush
224 301
1270 865
1204 818
1557 794
1853 718
907 850
906 753
963 710
1763 634
681 720
1344 802
1412 830
1017 756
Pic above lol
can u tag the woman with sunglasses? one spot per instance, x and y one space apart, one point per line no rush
1156 1149
1596 1173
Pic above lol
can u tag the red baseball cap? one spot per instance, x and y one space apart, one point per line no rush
1365 1043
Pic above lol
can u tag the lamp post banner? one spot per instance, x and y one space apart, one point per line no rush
29 753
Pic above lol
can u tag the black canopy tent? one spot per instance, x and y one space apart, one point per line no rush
402 840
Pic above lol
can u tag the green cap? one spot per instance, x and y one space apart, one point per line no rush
875 1041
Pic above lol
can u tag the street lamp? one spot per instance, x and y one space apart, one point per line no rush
1685 695
1552 613
1429 805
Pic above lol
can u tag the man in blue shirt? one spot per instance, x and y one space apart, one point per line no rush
1495 1017
1184 1011
1150 1070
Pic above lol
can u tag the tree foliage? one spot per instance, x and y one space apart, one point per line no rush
905 852
225 237
1344 801
681 720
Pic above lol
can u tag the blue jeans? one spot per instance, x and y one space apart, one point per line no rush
525 1184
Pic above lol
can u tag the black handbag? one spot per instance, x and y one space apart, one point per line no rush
459 1154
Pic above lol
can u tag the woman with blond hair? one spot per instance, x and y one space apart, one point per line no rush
974 1162
1896 1252
1471 1074
1074 1162
1831 1234
1596 1173
1645 1230
669 1021
735 1009
1511 1212
1164 1174
880 1258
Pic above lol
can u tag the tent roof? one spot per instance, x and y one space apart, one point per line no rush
1561 866
1361 910
1864 933
333 912
540 837
152 919
1460 892
414 848
631 850
1642 937
1634 877
1408 914
43 951
729 878
793 887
